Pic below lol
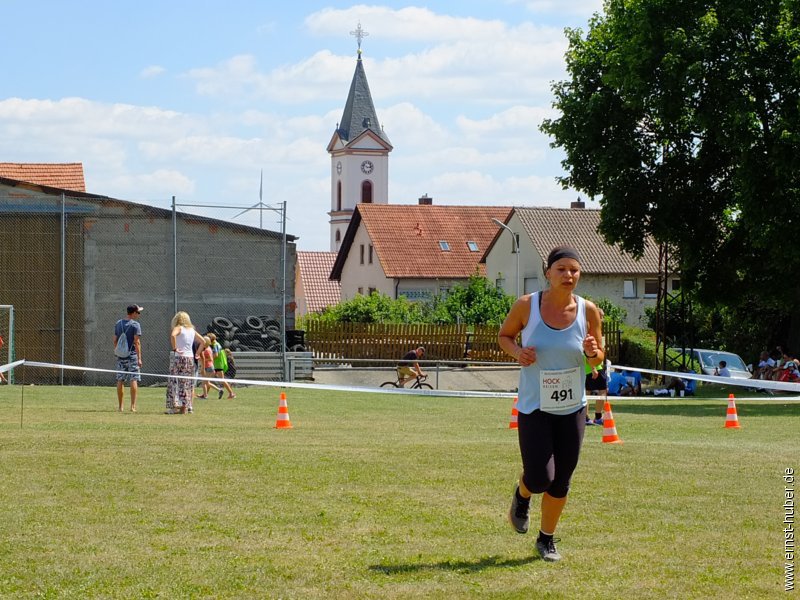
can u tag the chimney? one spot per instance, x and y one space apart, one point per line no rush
425 200
578 203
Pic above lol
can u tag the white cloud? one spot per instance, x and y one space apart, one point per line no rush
462 113
85 118
161 184
409 23
152 71
572 7
472 59
474 187
517 120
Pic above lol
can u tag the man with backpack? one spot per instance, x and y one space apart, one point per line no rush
128 350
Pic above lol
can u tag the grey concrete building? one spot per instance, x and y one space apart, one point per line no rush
70 262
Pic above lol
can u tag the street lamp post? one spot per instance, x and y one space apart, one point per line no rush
516 245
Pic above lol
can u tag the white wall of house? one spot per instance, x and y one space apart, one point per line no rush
501 262
634 293
359 274
423 289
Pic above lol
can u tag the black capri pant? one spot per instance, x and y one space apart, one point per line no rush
550 446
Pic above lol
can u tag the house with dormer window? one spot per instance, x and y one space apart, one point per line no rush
607 272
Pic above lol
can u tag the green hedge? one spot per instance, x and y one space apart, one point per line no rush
637 347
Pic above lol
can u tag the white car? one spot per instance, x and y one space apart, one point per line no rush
710 359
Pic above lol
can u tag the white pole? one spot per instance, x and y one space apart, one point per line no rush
283 292
10 339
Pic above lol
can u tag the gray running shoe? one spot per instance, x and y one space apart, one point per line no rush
547 550
519 514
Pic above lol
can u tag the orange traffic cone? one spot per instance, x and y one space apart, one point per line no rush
732 419
514 413
283 421
609 429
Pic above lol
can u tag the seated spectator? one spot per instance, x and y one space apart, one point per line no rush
677 386
634 379
691 385
781 364
765 367
618 385
722 369
790 373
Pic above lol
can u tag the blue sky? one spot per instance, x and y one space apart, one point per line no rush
194 99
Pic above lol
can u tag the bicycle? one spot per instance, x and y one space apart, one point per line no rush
419 384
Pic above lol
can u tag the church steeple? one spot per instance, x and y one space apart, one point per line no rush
359 111
359 152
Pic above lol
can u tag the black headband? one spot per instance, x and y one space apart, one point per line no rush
560 252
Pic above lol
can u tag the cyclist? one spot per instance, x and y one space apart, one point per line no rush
409 368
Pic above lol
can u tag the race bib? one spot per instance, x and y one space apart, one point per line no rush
561 390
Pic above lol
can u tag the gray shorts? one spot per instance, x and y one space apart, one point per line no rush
130 368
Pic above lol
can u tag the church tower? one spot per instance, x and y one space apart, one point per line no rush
359 152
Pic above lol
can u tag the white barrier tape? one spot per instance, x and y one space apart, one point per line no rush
748 383
784 386
9 366
283 384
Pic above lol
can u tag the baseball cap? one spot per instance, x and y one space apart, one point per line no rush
135 308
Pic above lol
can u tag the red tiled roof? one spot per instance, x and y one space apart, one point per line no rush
315 269
577 227
406 238
65 176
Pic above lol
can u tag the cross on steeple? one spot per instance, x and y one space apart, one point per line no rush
360 35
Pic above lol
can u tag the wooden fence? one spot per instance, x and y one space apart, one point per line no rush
388 341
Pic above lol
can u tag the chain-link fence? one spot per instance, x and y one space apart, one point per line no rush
71 264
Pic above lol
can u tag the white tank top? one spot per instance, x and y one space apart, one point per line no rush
183 341
558 372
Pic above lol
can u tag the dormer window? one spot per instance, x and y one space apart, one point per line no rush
473 246
444 246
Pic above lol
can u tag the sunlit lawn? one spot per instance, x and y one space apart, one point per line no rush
373 496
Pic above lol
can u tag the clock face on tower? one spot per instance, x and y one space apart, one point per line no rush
339 167
367 166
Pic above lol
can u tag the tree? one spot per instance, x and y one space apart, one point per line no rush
477 302
683 118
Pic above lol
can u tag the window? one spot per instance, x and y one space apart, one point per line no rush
362 254
361 291
629 288
366 192
651 288
676 285
413 295
338 236
370 254
515 243
371 290
531 285
338 195
444 246
473 246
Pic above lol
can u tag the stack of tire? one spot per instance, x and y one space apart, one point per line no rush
253 333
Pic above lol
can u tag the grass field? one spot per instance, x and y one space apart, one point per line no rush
372 496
